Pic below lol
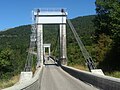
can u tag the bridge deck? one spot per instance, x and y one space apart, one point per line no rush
54 78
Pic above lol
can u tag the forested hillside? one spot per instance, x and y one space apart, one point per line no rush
14 43
13 46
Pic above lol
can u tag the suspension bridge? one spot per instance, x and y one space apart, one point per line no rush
52 73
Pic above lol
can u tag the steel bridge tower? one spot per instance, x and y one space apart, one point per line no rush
51 16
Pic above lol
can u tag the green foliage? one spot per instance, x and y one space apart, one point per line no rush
5 57
107 24
113 74
85 28
6 62
108 17
13 45
103 45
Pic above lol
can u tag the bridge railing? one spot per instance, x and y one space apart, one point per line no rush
100 81
33 84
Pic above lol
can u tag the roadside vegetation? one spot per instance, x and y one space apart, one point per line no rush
7 83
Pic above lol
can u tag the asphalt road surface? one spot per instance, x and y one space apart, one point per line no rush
54 78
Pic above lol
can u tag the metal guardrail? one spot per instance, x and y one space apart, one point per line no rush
33 84
100 81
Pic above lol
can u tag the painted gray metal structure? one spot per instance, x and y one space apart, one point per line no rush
49 16
28 64
49 49
39 37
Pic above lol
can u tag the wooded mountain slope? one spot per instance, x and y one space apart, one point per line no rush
16 42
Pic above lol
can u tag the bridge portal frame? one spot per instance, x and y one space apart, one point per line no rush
49 48
51 16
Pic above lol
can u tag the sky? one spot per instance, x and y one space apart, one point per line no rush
14 13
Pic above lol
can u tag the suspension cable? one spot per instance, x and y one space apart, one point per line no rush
57 41
85 53
29 60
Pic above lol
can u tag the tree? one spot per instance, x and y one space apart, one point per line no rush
6 61
103 45
107 24
108 17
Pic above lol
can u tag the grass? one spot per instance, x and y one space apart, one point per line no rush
8 83
113 74
80 67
